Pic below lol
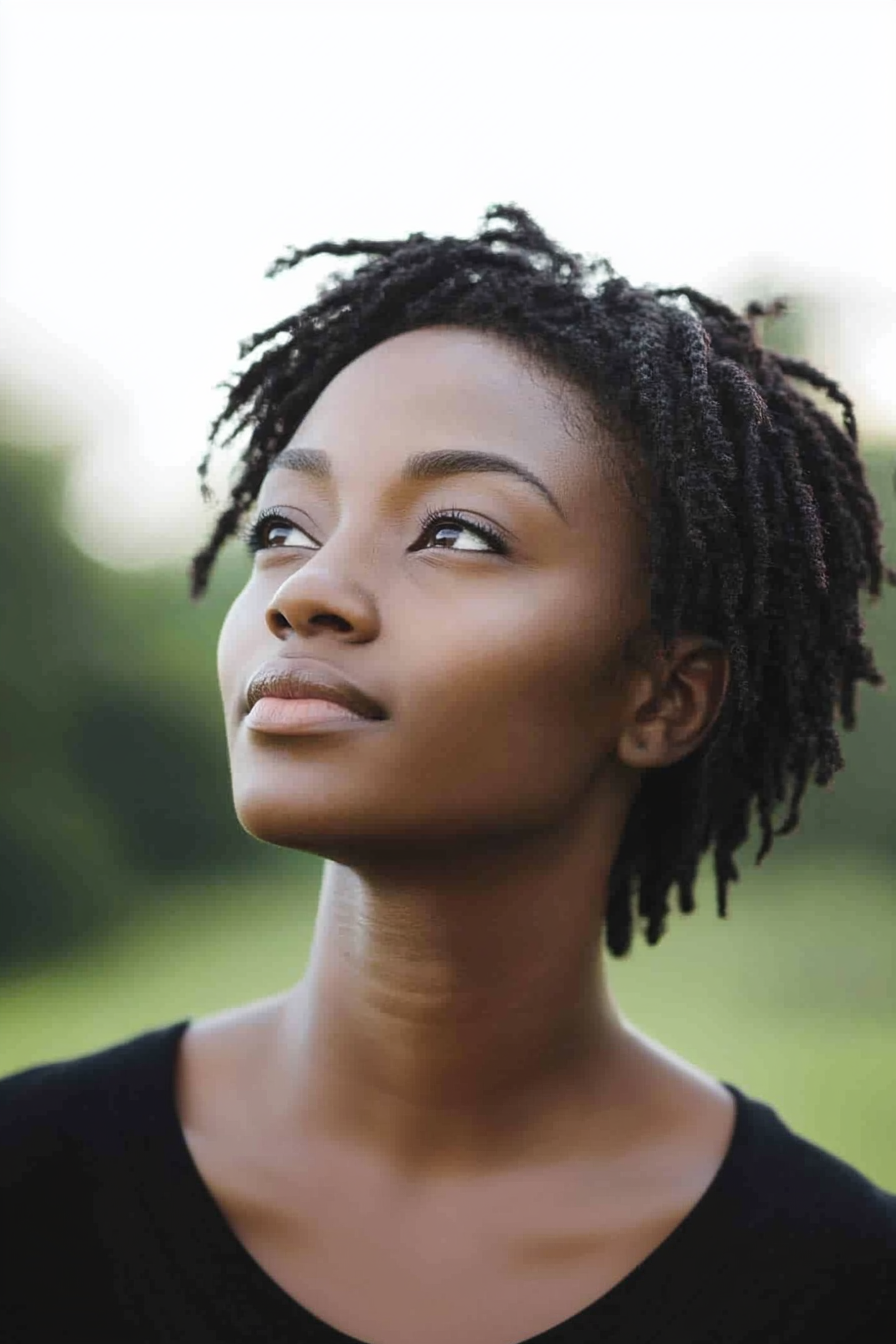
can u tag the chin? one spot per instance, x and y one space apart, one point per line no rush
340 829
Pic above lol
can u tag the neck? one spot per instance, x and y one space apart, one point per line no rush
456 1012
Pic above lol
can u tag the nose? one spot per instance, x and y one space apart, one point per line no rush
313 599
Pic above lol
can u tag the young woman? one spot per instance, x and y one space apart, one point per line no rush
556 579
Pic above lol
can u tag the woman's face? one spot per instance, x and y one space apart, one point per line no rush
500 669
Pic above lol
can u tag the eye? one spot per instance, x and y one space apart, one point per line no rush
272 530
453 522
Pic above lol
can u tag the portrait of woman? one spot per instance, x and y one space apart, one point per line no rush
555 594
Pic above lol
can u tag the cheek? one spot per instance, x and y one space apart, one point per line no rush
520 699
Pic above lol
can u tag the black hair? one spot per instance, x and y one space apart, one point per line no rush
763 529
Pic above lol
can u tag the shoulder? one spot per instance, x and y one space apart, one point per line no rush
807 1219
62 1140
71 1135
797 1178
53 1115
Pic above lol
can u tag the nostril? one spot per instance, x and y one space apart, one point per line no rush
279 624
329 618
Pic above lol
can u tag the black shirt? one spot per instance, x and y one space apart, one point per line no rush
108 1235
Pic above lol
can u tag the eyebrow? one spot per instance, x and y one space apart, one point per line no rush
423 467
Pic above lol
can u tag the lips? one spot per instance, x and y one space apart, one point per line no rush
292 679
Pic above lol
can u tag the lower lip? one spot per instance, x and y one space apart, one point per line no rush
286 718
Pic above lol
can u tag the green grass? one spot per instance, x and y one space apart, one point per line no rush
793 998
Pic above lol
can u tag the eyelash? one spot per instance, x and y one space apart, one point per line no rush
255 534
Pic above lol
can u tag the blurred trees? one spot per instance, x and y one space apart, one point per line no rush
113 765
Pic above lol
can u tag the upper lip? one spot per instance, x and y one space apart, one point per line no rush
295 679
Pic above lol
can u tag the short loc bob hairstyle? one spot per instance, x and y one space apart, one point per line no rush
763 529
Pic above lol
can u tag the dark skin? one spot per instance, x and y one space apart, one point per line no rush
445 1129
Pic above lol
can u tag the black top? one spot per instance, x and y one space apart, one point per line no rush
110 1236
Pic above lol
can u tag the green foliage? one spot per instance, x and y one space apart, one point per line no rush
113 762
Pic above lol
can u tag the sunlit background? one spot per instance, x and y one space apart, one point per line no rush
154 158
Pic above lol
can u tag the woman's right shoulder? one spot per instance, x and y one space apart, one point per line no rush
54 1114
74 1138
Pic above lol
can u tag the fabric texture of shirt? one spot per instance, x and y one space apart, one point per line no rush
110 1236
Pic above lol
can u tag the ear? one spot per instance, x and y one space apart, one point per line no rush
675 701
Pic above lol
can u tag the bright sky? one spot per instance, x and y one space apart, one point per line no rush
154 157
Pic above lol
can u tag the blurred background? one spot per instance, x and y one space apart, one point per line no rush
153 159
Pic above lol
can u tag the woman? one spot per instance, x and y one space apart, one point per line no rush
555 580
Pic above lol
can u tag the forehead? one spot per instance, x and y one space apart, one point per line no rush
451 388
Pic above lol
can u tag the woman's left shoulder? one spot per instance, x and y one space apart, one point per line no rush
815 1202
800 1244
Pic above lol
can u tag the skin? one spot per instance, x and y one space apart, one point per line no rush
450 1088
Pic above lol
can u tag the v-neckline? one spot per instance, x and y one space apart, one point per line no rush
203 1248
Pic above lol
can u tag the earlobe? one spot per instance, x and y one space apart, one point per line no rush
679 704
